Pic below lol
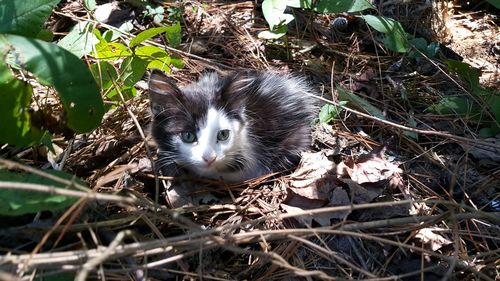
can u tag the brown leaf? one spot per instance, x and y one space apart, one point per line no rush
315 177
433 240
373 167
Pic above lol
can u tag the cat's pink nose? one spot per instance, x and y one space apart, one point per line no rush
209 159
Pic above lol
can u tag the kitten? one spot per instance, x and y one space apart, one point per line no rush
235 127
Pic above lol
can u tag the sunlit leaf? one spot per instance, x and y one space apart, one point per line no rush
80 40
342 6
394 34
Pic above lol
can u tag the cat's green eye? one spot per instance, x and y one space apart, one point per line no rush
188 137
223 135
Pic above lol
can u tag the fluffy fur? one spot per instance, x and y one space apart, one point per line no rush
235 127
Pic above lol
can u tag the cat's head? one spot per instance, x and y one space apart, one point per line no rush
198 126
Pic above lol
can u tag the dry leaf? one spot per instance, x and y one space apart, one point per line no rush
314 178
305 220
372 167
431 239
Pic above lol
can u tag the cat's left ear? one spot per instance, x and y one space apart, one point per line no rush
235 90
162 91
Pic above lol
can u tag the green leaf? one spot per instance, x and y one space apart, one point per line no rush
465 72
329 112
494 104
80 40
147 34
19 202
126 91
489 132
174 35
15 101
459 105
495 3
413 124
360 102
155 57
111 50
177 62
104 73
45 35
24 17
275 34
342 6
305 4
90 4
273 11
132 70
54 66
394 34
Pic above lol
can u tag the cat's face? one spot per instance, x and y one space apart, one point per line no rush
211 148
196 128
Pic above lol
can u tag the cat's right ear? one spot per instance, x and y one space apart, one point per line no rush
162 91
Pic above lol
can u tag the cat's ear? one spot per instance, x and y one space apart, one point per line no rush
162 91
235 91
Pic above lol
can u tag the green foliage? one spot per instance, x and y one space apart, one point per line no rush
90 4
134 60
274 12
330 112
360 102
340 6
175 14
25 17
430 50
49 64
394 34
156 12
15 101
18 202
80 40
486 113
395 38
495 3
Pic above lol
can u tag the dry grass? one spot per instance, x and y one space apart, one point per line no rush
437 224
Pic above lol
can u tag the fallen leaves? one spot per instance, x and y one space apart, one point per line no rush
319 182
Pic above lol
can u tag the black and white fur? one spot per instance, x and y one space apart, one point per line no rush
235 127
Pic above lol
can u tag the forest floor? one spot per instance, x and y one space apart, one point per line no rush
391 190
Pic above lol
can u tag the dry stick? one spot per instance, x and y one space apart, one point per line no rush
424 132
15 165
329 252
92 263
160 246
66 192
78 205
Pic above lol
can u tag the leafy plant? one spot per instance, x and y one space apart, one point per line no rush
134 60
482 106
18 202
49 64
274 12
330 112
394 36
